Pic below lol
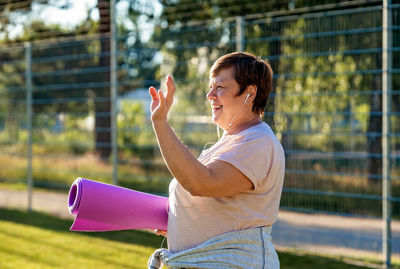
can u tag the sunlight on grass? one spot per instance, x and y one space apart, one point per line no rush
38 240
35 246
32 247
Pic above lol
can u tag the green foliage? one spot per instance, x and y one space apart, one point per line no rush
11 110
135 138
184 10
188 52
149 184
74 134
308 92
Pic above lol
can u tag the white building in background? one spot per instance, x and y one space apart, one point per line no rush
140 95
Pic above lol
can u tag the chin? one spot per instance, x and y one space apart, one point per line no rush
214 119
218 121
220 126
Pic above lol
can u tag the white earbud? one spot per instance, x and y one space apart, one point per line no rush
247 97
234 116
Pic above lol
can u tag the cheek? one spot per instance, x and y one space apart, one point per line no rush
226 100
221 95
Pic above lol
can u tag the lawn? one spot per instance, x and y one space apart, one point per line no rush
38 240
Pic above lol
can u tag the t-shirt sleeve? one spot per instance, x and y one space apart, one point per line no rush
250 155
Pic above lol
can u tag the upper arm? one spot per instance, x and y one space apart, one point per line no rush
239 166
224 180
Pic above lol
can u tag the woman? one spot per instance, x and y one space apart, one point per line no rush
223 204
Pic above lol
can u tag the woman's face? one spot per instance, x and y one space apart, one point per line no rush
224 100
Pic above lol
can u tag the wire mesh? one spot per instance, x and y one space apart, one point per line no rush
326 109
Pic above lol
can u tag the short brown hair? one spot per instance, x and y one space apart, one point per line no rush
248 70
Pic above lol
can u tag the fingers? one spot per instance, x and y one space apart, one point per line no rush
161 102
171 87
170 90
157 95
162 97
160 232
153 93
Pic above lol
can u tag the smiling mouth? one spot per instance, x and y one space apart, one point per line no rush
216 108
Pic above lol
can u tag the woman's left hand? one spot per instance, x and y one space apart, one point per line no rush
160 103
160 232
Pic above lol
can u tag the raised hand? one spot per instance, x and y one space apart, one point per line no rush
160 103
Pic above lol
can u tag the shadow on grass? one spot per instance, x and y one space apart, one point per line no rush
49 222
291 260
45 221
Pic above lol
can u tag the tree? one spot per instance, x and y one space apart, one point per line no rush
47 79
210 36
13 64
183 48
192 31
136 63
9 7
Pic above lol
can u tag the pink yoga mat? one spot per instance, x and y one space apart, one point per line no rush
103 207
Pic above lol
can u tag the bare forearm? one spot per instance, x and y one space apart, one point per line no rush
190 173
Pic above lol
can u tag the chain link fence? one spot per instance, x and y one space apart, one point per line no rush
329 108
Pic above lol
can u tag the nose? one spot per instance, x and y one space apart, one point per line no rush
211 95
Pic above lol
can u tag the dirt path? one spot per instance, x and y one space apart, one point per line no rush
50 202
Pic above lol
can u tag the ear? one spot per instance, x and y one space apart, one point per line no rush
252 91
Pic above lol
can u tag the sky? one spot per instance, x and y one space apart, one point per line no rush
52 14
69 17
77 11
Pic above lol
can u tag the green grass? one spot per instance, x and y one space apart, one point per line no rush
38 240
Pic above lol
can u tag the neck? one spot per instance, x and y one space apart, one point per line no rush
236 128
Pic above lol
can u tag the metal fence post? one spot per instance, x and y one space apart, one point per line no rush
240 39
113 89
386 110
28 85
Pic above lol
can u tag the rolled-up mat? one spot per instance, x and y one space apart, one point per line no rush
104 207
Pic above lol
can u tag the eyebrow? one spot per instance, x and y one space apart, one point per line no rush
222 80
218 83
